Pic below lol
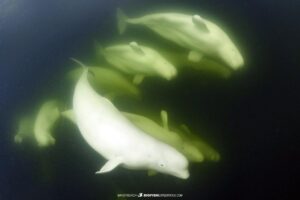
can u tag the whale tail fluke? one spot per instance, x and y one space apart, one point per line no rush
122 21
78 62
84 67
99 48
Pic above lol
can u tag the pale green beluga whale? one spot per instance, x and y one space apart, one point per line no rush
200 36
138 60
46 118
107 81
164 134
191 145
206 66
114 137
24 130
208 152
40 127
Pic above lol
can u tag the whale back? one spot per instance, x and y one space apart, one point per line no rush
136 59
194 33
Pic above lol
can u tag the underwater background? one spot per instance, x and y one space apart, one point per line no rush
251 118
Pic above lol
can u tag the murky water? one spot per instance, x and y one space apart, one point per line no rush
247 117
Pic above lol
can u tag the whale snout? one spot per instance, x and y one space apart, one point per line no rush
165 69
237 62
172 74
169 73
231 56
180 167
183 175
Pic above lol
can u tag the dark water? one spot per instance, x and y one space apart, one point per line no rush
250 118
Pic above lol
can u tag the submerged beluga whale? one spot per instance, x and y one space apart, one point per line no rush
138 60
200 36
40 127
113 136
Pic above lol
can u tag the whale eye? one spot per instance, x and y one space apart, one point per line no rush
161 164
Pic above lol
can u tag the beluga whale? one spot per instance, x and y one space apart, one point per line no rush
138 60
193 32
107 81
114 137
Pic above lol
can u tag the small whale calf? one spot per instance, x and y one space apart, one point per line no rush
25 129
40 127
113 136
46 118
200 36
138 60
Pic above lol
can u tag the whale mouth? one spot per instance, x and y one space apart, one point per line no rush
171 75
183 175
237 64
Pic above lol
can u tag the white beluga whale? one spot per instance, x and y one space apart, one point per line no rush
201 36
192 146
113 136
162 134
139 61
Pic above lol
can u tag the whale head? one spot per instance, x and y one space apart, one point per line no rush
230 55
171 162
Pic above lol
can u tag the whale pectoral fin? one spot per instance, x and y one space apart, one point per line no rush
69 114
164 119
109 165
135 46
200 23
122 21
195 56
138 79
185 129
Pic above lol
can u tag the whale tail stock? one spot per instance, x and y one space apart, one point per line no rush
78 62
122 21
84 67
99 48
